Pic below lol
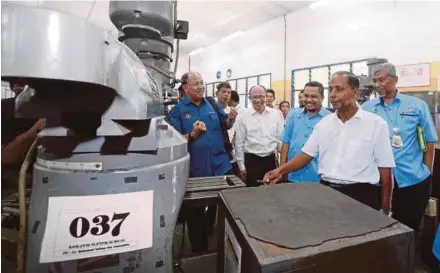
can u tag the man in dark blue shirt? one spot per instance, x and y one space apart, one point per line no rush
200 122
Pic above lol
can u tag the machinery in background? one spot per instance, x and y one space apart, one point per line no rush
366 89
110 173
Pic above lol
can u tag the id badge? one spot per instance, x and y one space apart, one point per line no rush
397 141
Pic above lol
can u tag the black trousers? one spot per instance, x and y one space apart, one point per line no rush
200 222
409 203
257 167
365 193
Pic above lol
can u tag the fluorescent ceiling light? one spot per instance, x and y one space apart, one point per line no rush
232 36
196 51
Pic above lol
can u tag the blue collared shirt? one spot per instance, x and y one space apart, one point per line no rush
406 113
208 156
298 127
436 245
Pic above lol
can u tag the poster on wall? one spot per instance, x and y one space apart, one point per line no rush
413 75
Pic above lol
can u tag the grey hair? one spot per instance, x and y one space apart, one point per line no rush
389 68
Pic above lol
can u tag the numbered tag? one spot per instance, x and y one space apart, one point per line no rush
397 141
80 227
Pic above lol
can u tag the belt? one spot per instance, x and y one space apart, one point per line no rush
333 185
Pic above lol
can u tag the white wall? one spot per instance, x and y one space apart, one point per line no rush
402 32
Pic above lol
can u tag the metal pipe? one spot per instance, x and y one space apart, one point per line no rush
285 54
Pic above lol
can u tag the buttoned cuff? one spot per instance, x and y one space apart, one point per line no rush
241 165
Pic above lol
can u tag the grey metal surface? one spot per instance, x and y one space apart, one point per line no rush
166 173
103 101
44 43
155 14
70 55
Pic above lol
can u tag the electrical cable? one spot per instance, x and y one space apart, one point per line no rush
21 255
178 40
179 255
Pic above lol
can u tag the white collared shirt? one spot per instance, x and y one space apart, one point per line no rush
351 152
257 134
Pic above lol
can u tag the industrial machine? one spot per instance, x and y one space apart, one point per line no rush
366 89
110 173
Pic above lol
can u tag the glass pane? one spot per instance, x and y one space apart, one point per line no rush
296 102
301 77
241 86
325 101
320 75
339 67
233 84
265 80
209 90
360 68
243 100
251 81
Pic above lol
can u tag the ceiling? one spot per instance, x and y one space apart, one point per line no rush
209 21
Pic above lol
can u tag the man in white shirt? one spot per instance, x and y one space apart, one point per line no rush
353 148
258 131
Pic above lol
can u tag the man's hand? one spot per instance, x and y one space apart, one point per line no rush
233 113
272 177
243 175
199 127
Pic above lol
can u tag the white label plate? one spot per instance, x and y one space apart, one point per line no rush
80 227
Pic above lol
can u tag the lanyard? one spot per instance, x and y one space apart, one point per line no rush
393 122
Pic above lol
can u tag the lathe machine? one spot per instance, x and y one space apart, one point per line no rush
110 173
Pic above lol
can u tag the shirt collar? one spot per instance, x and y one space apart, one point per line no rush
253 112
359 114
187 101
397 98
321 111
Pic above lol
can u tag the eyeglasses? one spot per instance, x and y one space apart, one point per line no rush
196 83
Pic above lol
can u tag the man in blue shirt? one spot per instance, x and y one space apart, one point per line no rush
404 115
196 119
298 127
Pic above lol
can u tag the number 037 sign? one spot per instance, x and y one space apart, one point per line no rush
80 227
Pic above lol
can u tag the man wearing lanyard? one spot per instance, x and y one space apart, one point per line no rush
298 127
405 115
353 148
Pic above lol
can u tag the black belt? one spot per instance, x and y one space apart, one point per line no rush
271 155
330 184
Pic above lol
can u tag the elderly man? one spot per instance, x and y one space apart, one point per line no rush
298 128
258 131
353 148
405 116
200 122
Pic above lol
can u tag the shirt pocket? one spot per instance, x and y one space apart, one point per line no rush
410 119
359 151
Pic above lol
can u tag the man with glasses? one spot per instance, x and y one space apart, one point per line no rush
196 119
406 116
257 138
